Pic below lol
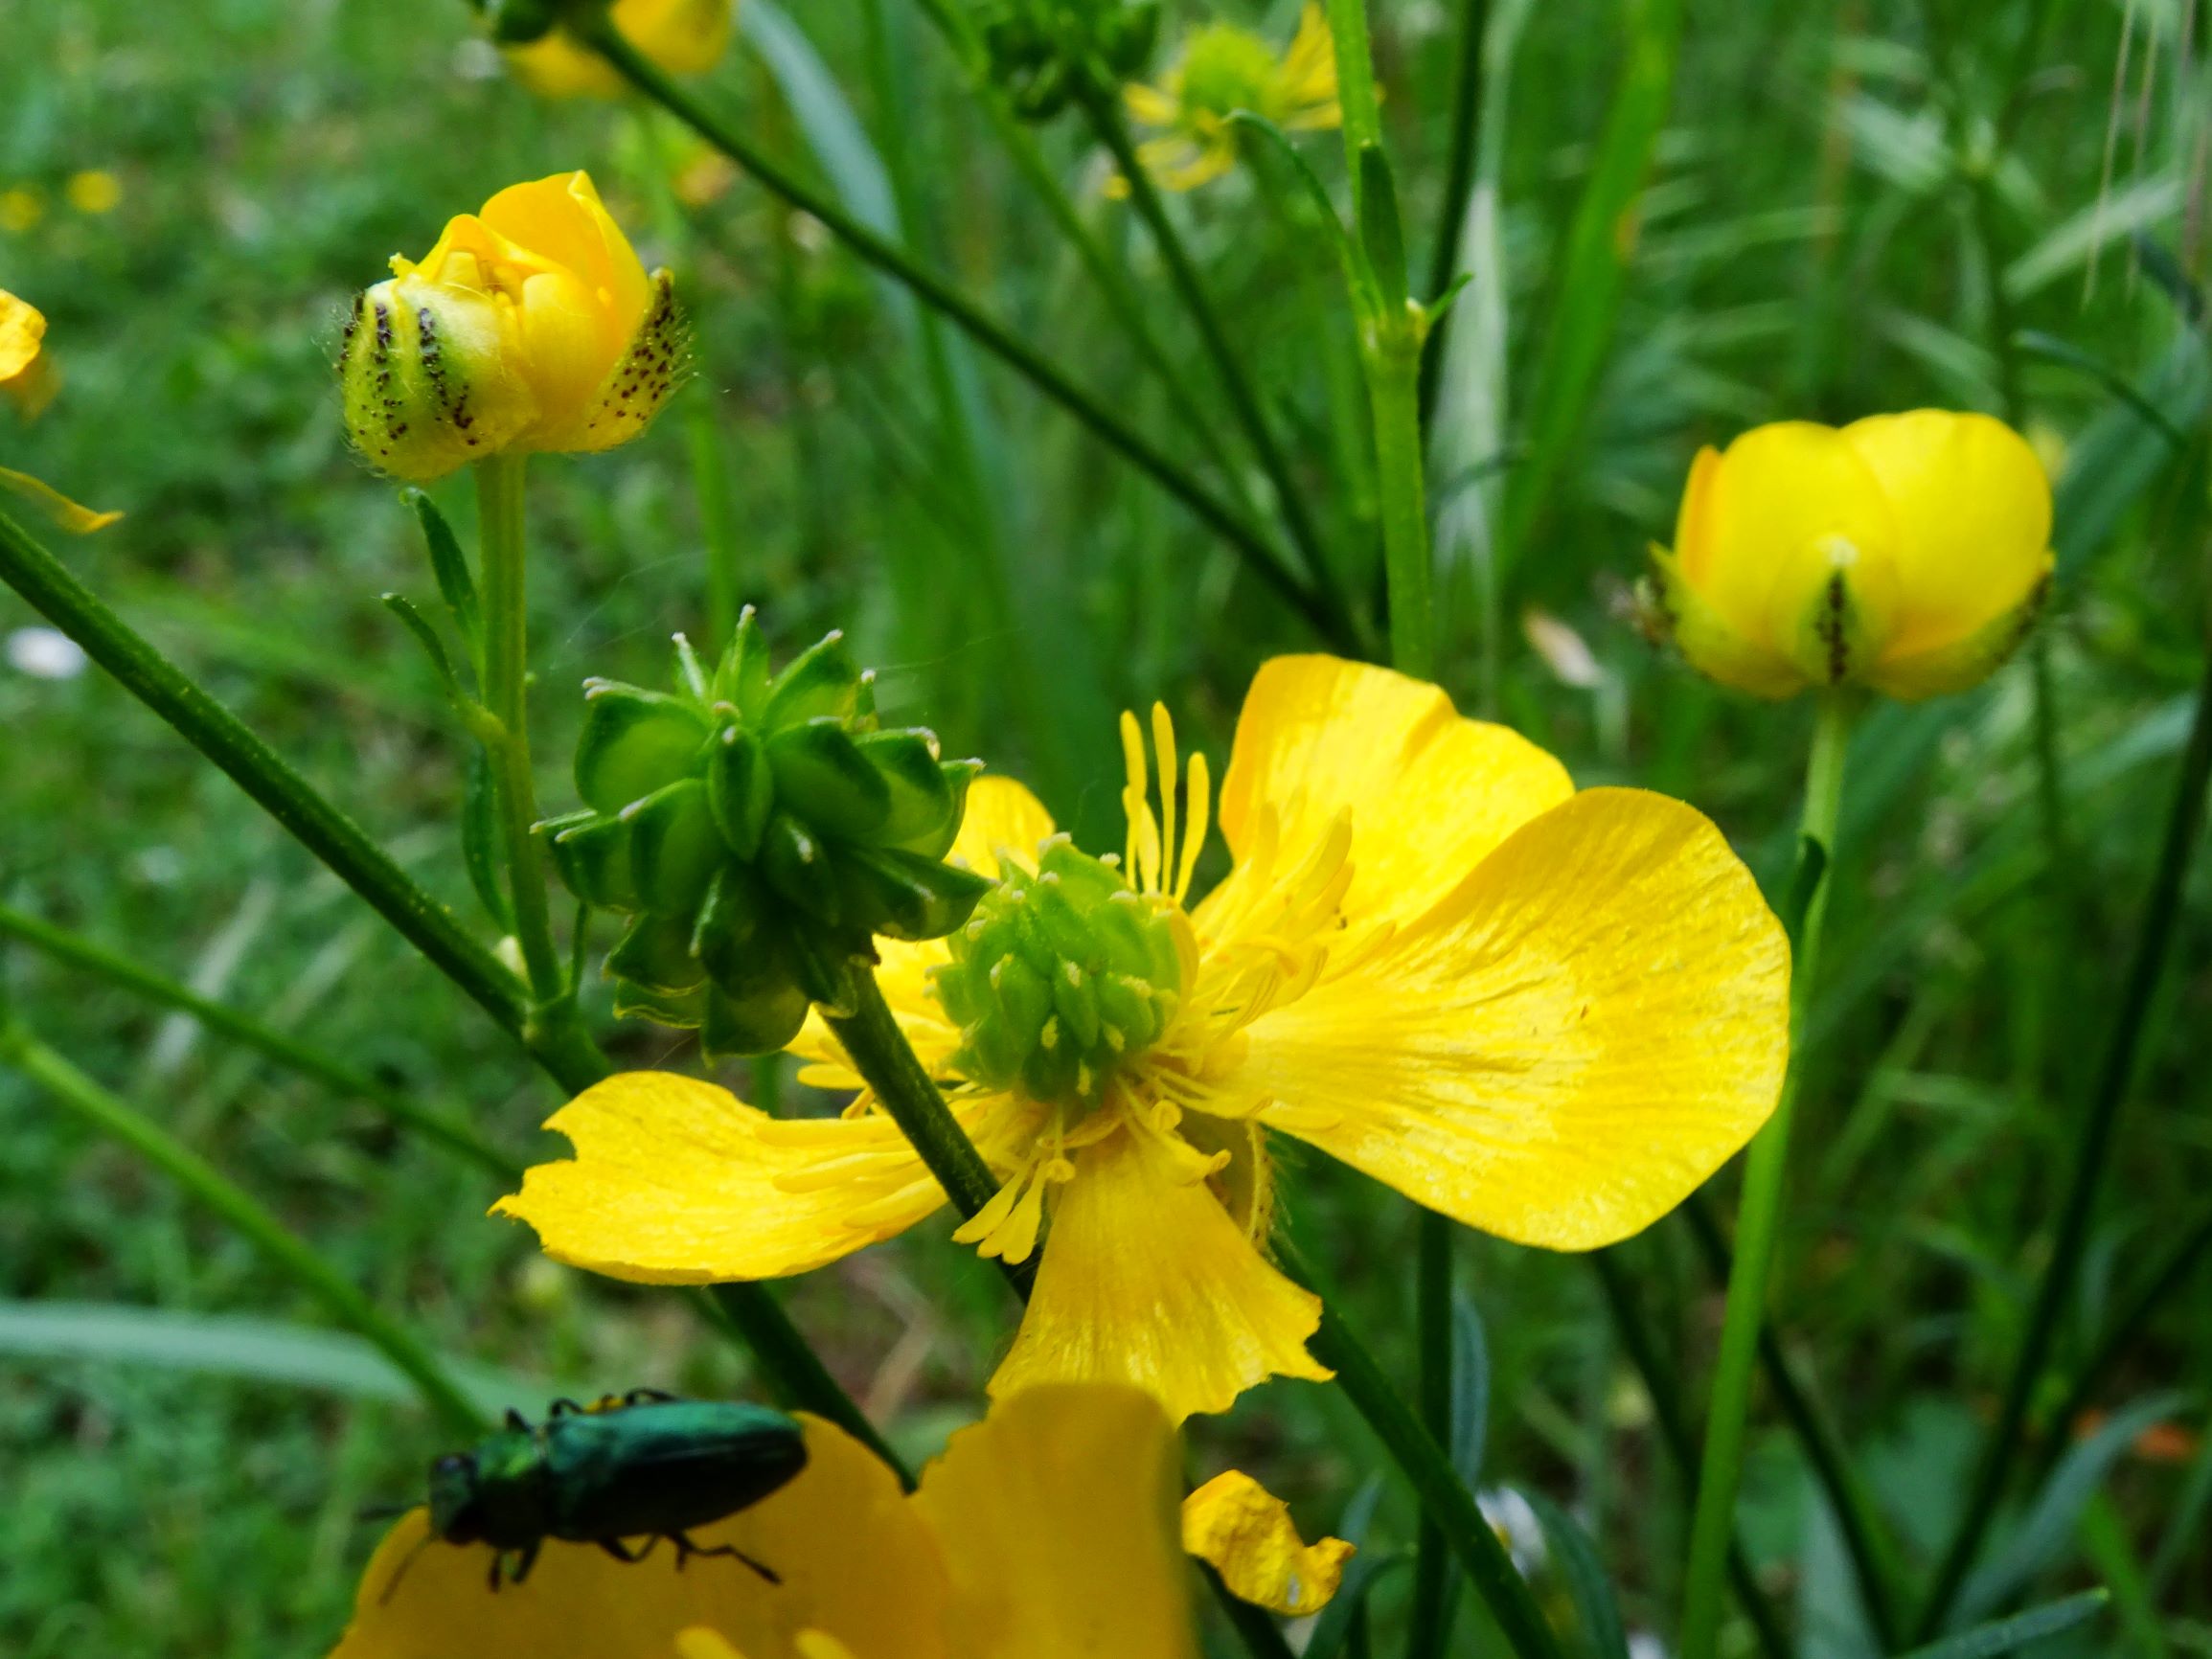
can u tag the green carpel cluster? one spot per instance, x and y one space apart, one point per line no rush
1047 51
1060 979
760 832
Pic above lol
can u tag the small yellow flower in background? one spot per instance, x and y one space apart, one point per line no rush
1907 554
682 37
1224 69
21 208
530 327
28 379
1546 1015
1048 1529
1245 1533
94 191
27 376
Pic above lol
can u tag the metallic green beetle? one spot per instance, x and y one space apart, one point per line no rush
644 1465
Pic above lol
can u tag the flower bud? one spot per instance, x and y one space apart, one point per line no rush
1060 978
1907 554
682 37
759 831
530 327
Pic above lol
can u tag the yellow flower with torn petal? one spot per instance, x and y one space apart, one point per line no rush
1224 69
1546 1015
28 379
530 326
1908 554
682 37
1048 1529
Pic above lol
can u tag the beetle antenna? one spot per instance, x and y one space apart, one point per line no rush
391 1589
381 1511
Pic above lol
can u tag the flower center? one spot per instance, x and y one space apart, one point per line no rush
1060 977
1227 69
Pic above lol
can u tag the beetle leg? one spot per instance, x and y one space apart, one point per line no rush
638 1395
515 1419
622 1551
564 1407
685 1549
525 1559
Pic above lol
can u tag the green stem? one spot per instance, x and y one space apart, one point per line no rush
885 1061
1864 1537
1713 1522
1458 180
79 952
934 290
1665 1393
1444 1499
2093 1150
503 550
1113 130
246 1217
332 837
1355 92
1429 1625
565 1052
1393 388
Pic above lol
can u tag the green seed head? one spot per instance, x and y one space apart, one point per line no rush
759 831
1047 51
1060 979
1227 69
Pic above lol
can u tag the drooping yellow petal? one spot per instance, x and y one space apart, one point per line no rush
1001 816
1428 793
857 1563
1972 506
1057 1517
1146 1280
1566 1047
1246 1533
54 505
677 1182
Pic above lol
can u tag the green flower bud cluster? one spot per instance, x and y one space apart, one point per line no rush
1060 979
1047 51
760 832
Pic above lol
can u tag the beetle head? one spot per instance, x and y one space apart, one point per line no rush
456 1499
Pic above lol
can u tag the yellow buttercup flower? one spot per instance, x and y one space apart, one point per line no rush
1048 1529
28 379
1904 552
1548 1015
1245 1533
682 37
94 191
1224 69
530 327
27 376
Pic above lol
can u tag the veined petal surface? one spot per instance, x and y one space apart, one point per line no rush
1146 1280
1246 1533
677 1182
1428 793
1566 1047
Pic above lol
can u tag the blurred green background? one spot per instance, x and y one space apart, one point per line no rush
1804 241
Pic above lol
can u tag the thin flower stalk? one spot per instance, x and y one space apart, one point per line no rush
1713 1523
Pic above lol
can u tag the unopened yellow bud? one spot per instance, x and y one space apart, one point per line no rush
1907 554
682 37
530 327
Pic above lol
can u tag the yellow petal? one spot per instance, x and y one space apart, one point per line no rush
556 66
1001 815
1146 1280
1973 506
64 514
1428 793
1057 1517
683 36
1246 1533
855 1563
677 1182
562 221
1769 527
1566 1047
26 374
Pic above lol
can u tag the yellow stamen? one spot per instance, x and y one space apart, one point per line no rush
1164 746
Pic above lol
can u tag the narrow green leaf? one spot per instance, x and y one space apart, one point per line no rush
450 566
480 842
1333 1629
1469 1389
1380 233
2009 1635
1597 1611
